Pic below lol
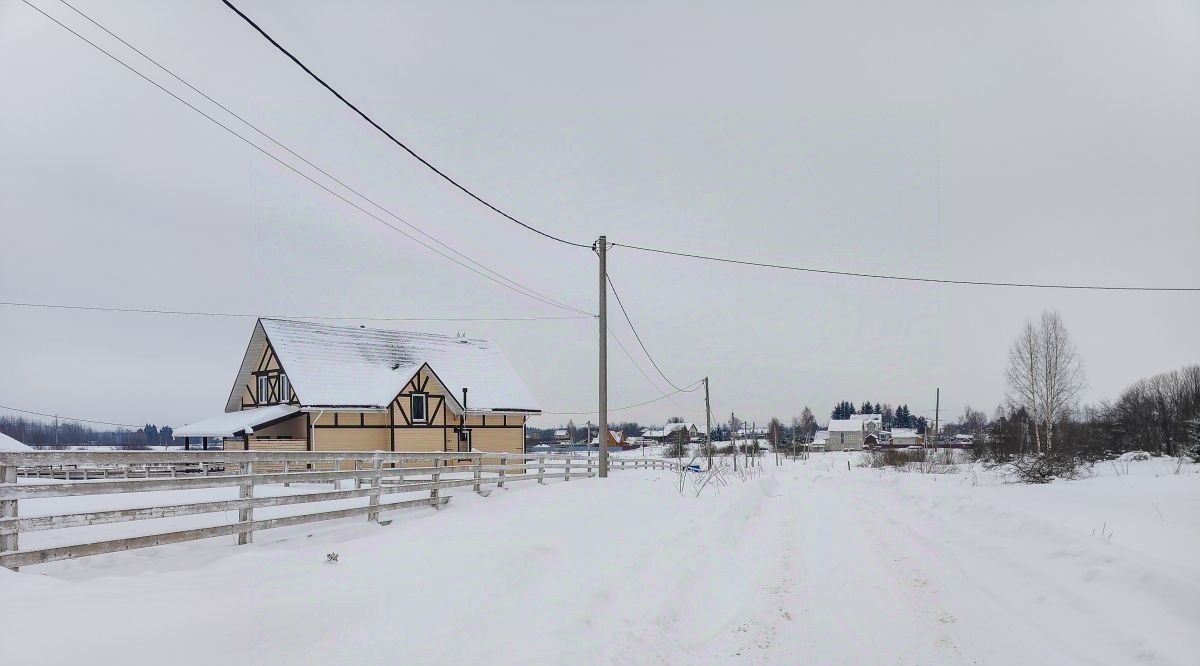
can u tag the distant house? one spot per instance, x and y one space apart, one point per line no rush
855 433
304 386
616 439
902 437
820 440
669 432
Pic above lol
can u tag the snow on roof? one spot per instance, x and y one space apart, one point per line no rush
903 432
675 427
845 425
9 444
357 366
866 417
821 436
561 432
230 424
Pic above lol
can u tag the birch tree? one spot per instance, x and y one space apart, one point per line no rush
1061 374
1045 375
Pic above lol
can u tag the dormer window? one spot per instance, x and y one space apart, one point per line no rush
417 407
264 389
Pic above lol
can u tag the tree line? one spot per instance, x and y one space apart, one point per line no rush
71 433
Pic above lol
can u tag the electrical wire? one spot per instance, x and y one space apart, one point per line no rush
389 135
874 276
295 170
637 365
688 389
67 418
635 331
300 157
200 313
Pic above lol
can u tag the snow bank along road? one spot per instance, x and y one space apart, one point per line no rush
807 563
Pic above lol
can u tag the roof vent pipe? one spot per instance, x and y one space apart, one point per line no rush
464 397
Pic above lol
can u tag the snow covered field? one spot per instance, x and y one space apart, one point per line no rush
806 563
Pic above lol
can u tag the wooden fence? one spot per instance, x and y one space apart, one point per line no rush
375 475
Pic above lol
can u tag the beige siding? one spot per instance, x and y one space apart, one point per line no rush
293 428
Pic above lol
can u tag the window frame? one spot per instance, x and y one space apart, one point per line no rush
464 437
412 412
285 388
264 390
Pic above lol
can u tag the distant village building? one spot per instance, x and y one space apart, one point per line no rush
669 432
616 438
855 433
904 437
305 386
820 440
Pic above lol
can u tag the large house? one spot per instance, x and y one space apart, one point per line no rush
855 433
315 387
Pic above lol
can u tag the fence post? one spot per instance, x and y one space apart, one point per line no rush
541 470
286 469
478 471
376 489
8 509
246 491
437 475
567 469
503 470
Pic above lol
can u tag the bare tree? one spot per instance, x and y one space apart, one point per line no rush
1061 374
1045 375
1023 372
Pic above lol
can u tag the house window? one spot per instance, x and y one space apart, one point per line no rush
464 440
285 389
418 408
264 389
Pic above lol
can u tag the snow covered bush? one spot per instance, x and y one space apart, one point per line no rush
1047 466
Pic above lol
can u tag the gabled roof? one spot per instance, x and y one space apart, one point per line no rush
9 444
231 424
350 366
845 425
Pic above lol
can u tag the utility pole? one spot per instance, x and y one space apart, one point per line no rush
708 448
601 248
937 407
733 437
56 431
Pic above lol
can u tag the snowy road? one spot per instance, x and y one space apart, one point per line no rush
807 563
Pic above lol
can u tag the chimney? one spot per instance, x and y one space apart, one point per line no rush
464 397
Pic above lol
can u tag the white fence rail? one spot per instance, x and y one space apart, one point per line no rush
376 475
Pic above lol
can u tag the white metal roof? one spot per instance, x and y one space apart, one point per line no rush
845 425
350 366
231 423
9 444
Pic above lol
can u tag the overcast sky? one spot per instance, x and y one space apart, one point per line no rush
1046 141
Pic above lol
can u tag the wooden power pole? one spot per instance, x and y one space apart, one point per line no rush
707 425
601 250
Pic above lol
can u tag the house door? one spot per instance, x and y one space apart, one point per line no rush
464 440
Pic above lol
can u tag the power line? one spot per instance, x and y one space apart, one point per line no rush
521 290
300 157
635 332
68 418
906 278
688 389
201 313
389 135
637 365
